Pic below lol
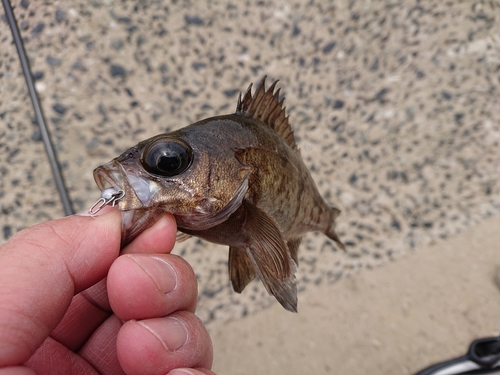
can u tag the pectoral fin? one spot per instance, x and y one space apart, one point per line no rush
241 268
202 220
270 256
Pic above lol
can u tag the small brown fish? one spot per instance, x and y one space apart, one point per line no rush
235 180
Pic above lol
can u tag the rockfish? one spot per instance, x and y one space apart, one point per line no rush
235 180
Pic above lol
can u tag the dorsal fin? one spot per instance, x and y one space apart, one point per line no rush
266 106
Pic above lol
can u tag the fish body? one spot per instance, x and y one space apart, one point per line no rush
236 180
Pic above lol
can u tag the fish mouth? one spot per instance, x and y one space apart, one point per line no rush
137 215
137 193
103 179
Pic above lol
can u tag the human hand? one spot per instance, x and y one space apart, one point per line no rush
70 304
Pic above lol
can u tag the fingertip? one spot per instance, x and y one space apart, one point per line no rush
159 238
107 221
101 234
152 346
144 286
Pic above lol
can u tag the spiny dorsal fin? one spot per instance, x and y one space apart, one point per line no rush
266 106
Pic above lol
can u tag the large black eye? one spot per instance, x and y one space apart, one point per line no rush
167 157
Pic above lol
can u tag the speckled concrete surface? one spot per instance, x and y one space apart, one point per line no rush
394 105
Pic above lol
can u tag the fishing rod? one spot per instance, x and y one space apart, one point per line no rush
56 169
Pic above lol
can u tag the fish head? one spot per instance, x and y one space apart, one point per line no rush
177 173
154 172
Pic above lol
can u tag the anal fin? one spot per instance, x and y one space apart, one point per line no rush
241 268
293 246
180 236
330 232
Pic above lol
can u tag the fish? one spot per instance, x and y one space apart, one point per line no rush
236 180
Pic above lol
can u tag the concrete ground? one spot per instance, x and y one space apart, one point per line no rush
394 105
395 319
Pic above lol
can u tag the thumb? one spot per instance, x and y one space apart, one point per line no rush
41 268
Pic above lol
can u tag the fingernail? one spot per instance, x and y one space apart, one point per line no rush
171 332
183 371
160 271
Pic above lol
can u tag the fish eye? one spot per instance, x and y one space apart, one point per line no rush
167 158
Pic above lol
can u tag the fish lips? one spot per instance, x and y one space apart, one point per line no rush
138 191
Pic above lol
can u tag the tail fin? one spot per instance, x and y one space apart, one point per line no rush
330 232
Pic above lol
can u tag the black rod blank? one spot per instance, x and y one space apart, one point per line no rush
56 170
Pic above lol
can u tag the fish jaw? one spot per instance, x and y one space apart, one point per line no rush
112 174
137 216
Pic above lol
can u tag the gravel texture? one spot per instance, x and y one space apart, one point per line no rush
395 107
